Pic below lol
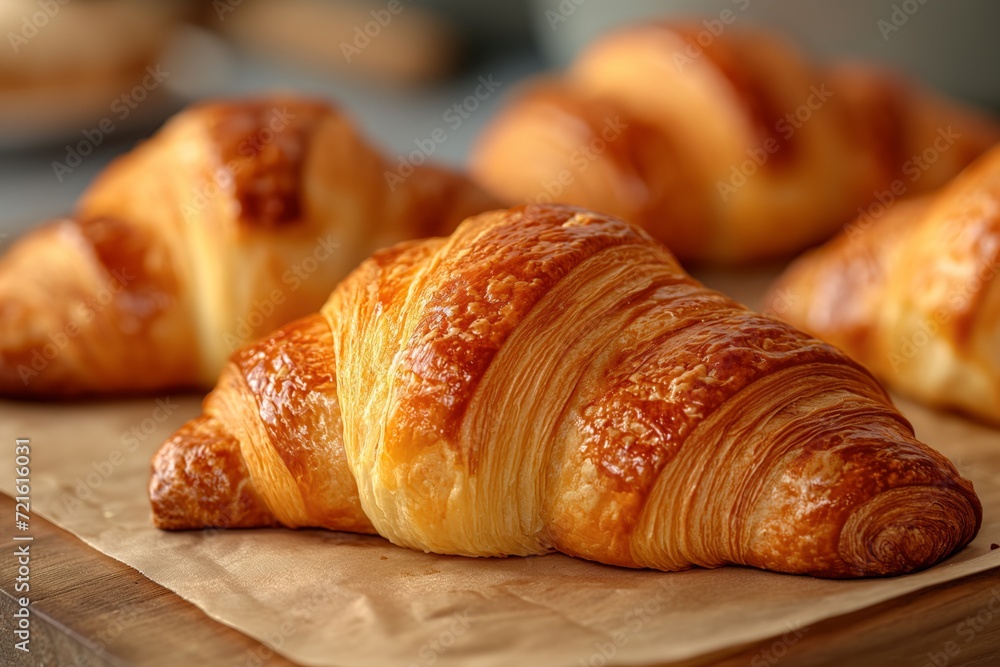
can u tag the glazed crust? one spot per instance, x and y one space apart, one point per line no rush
913 294
273 417
548 378
235 218
741 152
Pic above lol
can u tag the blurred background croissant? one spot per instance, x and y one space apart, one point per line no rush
738 133
82 81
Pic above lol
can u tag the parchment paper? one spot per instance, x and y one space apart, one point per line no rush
324 598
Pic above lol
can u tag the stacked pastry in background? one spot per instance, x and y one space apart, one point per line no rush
734 151
235 218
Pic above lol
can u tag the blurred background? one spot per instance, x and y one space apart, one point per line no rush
83 80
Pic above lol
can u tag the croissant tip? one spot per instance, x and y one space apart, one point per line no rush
198 480
902 531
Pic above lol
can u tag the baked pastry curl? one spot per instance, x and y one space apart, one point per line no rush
237 217
743 151
548 378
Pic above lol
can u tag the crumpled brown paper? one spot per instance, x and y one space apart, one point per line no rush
324 598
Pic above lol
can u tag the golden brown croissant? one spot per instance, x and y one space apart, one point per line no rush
729 152
914 294
234 219
550 379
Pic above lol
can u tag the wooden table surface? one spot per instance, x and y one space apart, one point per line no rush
91 610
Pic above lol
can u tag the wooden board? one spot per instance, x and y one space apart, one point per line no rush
89 609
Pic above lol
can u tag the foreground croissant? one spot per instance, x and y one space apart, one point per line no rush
914 294
551 379
235 218
730 152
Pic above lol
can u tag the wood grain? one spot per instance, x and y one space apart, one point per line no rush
905 631
90 610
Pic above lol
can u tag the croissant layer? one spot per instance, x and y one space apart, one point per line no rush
548 378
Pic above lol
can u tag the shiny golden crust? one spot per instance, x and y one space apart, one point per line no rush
548 378
200 481
237 217
553 380
296 424
268 448
914 294
707 153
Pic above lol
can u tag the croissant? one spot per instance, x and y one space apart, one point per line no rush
729 152
237 217
548 378
913 294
